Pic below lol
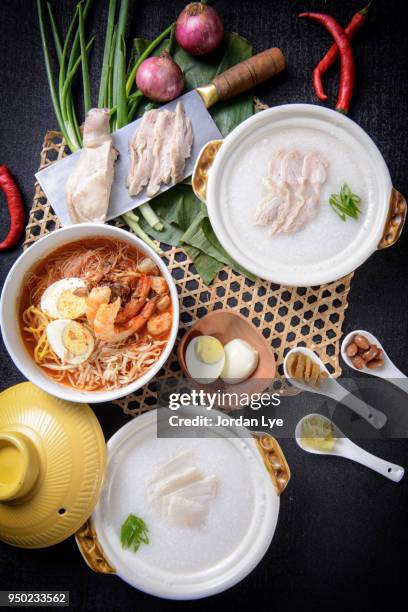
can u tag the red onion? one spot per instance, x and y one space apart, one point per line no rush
199 29
159 78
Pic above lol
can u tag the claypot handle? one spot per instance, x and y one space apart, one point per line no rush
249 73
91 550
274 459
202 167
394 224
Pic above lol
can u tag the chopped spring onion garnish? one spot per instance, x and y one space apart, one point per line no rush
133 533
345 204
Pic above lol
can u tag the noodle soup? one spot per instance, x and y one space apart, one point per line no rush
96 314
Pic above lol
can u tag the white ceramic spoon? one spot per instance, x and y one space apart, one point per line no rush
344 447
388 371
331 388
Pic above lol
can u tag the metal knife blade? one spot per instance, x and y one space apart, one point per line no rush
54 177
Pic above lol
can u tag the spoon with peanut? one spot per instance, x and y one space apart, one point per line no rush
362 351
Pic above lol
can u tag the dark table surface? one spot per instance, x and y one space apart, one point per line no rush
342 534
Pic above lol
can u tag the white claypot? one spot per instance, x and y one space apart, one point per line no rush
215 182
187 562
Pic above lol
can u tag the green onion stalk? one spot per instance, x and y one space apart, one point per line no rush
116 89
132 221
62 99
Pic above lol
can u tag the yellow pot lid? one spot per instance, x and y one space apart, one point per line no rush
52 463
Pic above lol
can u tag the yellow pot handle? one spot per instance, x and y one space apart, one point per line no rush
394 224
274 460
202 168
91 549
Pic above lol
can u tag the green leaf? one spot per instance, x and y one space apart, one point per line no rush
207 267
200 71
222 253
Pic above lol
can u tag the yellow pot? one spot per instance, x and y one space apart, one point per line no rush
52 463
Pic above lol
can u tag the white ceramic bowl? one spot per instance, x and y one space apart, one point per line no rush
241 522
234 189
10 302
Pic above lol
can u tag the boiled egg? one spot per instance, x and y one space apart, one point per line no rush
72 342
205 359
241 360
65 299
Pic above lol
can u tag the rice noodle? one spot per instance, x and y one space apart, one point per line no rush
111 365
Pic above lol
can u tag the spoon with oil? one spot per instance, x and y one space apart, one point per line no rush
331 388
388 370
318 435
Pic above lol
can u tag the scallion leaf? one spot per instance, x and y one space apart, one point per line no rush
346 203
84 62
109 41
133 533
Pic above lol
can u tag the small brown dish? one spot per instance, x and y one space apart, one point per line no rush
225 325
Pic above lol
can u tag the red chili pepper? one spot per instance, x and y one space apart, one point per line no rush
328 60
16 208
347 68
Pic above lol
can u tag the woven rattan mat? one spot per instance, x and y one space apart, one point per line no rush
286 316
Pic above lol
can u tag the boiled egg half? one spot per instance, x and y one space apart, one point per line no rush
205 359
65 299
71 341
241 360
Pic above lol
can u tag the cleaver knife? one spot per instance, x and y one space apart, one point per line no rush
235 80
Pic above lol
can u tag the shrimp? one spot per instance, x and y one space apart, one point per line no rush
136 302
159 324
96 297
163 303
147 266
106 328
159 285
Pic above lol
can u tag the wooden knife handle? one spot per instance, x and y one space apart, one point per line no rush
249 73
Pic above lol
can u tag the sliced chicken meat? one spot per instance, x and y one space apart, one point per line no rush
88 187
161 171
159 149
291 167
141 153
181 141
293 188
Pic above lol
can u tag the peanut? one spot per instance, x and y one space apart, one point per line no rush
370 354
358 362
375 363
352 349
361 342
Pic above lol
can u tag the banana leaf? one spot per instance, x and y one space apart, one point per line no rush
186 224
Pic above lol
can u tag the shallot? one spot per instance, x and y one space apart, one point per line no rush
159 78
199 29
